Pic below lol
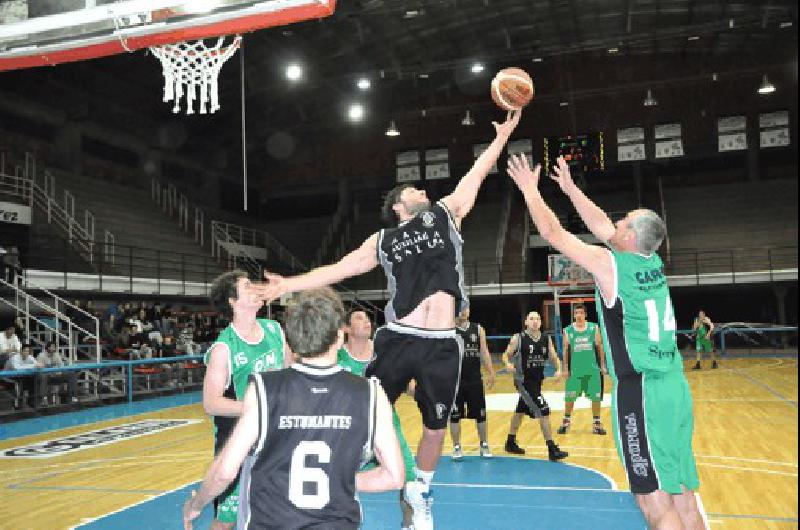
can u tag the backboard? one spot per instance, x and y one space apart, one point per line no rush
48 32
562 271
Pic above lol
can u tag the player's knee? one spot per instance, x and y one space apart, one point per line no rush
481 416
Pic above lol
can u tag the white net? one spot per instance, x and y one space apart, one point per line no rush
191 69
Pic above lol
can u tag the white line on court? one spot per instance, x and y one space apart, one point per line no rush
525 488
88 520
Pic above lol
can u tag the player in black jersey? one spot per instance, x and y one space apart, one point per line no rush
526 357
422 259
304 433
471 399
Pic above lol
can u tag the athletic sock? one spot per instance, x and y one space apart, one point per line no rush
425 477
597 420
567 418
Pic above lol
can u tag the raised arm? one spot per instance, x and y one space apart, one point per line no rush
595 218
594 259
462 199
510 349
361 260
225 467
390 474
215 382
486 357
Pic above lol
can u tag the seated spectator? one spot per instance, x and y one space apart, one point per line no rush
50 357
169 348
25 361
145 351
9 345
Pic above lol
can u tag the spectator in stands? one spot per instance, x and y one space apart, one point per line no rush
169 348
25 361
112 314
9 345
50 357
123 342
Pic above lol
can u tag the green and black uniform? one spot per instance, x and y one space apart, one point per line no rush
585 378
354 366
244 358
652 405
703 344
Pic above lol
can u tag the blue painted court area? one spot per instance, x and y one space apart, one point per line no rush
82 417
473 494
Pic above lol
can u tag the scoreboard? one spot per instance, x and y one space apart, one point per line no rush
584 153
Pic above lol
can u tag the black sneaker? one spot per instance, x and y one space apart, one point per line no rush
554 453
513 448
696 366
714 365
564 429
597 428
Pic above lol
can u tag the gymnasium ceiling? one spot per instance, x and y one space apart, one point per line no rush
418 55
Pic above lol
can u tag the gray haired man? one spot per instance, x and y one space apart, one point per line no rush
637 321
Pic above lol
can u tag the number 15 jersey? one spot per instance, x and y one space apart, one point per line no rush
316 428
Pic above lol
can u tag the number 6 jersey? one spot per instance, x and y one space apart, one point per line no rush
315 430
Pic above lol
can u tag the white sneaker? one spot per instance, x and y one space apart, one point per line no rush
421 503
457 453
485 451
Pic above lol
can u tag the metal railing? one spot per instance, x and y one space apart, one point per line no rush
733 263
232 233
51 317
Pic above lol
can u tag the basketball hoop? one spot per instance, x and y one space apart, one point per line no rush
191 66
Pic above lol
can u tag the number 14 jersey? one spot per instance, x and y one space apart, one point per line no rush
316 428
638 324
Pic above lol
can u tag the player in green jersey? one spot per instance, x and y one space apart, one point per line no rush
651 404
248 345
704 343
585 365
354 356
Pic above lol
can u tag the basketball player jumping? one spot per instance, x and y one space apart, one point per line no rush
585 365
354 356
526 356
423 263
471 399
304 432
248 345
638 327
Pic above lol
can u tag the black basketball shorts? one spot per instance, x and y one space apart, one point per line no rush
470 402
531 401
431 357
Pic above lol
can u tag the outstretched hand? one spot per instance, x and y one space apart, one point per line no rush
274 288
520 171
507 127
562 175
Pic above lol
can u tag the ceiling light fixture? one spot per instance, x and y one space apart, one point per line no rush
693 38
356 112
650 100
294 72
564 104
468 121
364 84
392 130
613 50
537 59
787 24
766 86
477 68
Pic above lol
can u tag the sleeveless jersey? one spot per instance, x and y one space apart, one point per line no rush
582 351
471 362
702 330
350 363
245 358
421 257
638 324
315 431
531 357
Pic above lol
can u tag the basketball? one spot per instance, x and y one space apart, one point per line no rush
512 89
